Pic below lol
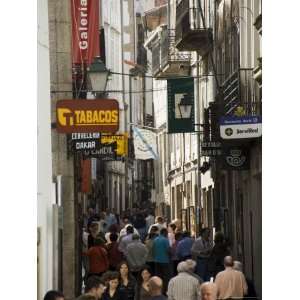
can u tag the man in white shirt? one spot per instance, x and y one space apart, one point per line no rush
126 223
159 224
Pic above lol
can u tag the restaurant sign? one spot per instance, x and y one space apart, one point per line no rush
76 116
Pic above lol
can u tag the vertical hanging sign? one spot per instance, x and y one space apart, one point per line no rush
181 105
85 30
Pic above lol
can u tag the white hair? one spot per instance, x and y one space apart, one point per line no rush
237 265
210 285
182 267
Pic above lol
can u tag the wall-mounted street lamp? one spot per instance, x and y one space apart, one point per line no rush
185 106
98 76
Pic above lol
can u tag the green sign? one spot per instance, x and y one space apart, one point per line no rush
181 105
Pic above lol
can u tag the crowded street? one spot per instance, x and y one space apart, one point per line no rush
149 150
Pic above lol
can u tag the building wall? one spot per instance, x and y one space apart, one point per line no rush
45 193
61 80
111 22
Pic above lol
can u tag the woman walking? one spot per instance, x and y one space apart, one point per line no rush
127 281
142 288
113 292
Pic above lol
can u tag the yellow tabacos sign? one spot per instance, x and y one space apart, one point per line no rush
120 139
99 115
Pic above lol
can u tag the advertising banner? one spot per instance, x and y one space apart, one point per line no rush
120 139
85 30
76 116
181 91
246 127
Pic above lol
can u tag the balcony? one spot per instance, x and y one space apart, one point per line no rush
241 94
167 61
192 34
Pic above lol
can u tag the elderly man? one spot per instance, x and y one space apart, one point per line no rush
230 283
238 266
208 291
191 265
155 288
184 285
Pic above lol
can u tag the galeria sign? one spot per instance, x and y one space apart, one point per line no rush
99 115
85 30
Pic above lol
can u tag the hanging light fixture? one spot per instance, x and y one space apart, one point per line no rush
98 75
185 106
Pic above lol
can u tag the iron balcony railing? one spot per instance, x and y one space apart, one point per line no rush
169 51
188 17
241 94
164 52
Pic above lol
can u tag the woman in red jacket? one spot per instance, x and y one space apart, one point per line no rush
98 260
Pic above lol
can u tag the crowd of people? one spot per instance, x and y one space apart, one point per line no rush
140 257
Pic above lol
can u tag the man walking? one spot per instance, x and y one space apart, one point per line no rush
126 240
201 250
159 224
184 285
95 287
183 250
155 288
230 283
136 255
162 254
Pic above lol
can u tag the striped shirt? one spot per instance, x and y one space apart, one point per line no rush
183 287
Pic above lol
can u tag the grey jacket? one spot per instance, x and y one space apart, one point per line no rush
136 255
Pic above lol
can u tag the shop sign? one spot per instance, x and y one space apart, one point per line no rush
85 141
105 152
85 30
236 158
211 148
180 90
85 116
120 139
247 127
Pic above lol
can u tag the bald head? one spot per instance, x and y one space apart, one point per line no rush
228 261
208 291
155 286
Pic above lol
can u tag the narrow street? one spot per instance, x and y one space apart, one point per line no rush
150 136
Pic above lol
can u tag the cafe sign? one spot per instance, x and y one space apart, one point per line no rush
246 127
81 115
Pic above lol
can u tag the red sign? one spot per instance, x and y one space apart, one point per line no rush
99 115
85 30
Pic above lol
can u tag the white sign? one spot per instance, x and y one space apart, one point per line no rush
145 146
240 127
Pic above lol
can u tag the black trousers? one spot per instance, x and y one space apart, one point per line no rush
163 270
